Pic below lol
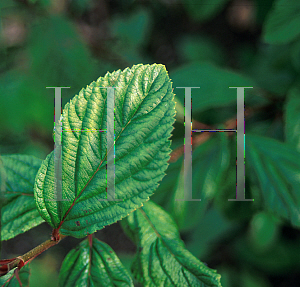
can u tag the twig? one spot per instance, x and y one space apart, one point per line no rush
8 264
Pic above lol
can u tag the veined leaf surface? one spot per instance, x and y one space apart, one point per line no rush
144 114
19 212
162 259
93 264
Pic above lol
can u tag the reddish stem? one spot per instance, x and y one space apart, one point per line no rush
8 264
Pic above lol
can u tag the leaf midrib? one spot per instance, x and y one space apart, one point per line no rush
98 168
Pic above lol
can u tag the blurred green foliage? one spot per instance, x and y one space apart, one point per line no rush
208 44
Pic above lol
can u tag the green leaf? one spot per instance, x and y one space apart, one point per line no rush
292 118
276 166
162 259
131 33
19 212
2 198
54 37
282 23
200 49
210 161
24 274
133 30
295 55
214 83
271 69
263 231
144 114
204 9
93 264
204 239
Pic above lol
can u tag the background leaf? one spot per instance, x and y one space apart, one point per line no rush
162 259
94 264
282 22
210 161
19 212
292 118
203 9
276 166
144 114
213 82
55 44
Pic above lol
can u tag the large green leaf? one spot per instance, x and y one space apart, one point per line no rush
19 212
283 21
93 264
292 118
162 259
276 166
144 114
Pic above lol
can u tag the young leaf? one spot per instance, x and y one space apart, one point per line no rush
162 259
93 264
144 114
19 212
282 24
277 168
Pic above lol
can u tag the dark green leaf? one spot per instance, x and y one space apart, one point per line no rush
132 31
162 259
292 118
271 69
200 49
54 43
19 212
263 231
210 161
93 264
203 9
144 114
283 21
2 198
276 166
